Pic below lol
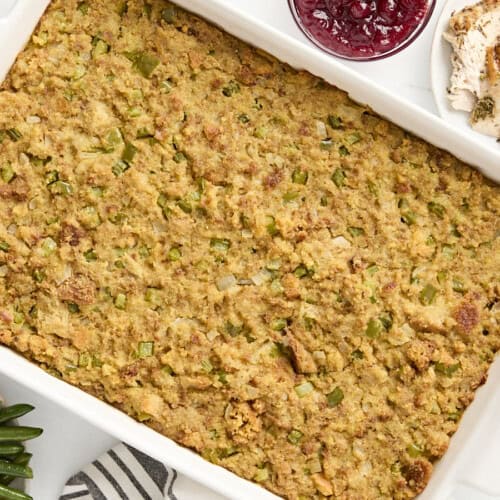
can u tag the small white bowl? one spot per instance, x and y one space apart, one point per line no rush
441 71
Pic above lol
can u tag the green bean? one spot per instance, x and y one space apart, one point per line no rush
15 470
15 411
20 459
18 433
7 493
8 449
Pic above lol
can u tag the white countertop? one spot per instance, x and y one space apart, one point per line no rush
69 442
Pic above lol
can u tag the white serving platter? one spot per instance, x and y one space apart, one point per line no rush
441 71
467 461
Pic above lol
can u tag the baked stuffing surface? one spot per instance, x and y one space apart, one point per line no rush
236 254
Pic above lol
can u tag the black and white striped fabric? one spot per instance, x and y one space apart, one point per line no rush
123 473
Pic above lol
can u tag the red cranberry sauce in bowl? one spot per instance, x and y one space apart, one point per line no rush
362 29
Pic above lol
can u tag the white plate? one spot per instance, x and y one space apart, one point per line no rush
441 72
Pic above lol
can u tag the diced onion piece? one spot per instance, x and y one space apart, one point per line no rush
304 389
3 271
226 283
23 159
67 273
319 356
212 335
33 119
321 128
365 469
12 229
358 451
261 475
275 159
314 466
245 282
228 410
252 392
159 227
341 242
48 246
261 277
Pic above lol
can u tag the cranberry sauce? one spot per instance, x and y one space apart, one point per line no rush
361 29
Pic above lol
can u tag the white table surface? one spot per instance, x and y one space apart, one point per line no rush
68 442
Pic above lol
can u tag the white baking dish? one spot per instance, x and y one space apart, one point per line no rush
467 462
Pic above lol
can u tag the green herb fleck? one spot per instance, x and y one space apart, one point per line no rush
145 349
231 88
356 231
179 157
174 254
299 176
335 122
129 153
83 7
295 436
168 14
73 308
436 208
119 168
220 244
446 370
374 328
279 324
343 151
483 108
326 144
339 177
428 295
414 450
39 275
120 301
7 173
271 226
335 397
14 134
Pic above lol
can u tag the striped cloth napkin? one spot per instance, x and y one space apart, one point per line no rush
124 473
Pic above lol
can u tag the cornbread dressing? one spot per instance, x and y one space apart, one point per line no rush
236 254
